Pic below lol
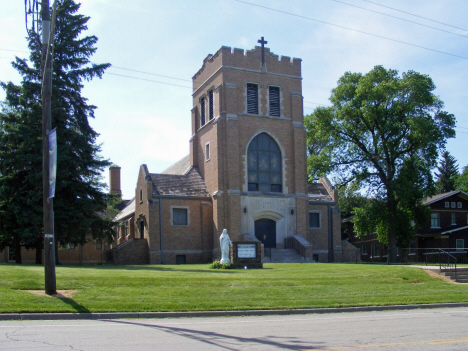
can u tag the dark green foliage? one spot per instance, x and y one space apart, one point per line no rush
349 198
447 173
79 196
383 132
461 181
216 264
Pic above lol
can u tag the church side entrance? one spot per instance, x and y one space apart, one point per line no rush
265 231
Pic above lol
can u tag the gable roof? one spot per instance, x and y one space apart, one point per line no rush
189 184
317 192
128 210
438 197
180 167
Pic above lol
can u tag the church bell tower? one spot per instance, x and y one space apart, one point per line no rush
249 143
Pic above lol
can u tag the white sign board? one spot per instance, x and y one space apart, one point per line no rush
246 250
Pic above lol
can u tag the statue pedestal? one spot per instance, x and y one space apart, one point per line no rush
246 254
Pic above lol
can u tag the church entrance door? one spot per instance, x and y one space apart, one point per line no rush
265 231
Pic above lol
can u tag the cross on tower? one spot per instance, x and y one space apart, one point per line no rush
263 42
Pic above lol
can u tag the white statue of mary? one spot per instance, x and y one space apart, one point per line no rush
225 243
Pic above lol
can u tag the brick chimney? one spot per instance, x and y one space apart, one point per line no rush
114 180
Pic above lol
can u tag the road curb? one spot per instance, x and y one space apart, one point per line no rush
136 315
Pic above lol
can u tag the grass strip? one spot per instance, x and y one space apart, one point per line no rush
198 288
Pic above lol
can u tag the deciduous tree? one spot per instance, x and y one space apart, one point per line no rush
384 133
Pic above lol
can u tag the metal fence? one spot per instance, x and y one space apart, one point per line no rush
431 256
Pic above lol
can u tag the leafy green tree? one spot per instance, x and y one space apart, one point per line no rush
461 180
79 197
382 132
447 173
349 198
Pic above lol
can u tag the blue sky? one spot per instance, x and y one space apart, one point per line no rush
145 122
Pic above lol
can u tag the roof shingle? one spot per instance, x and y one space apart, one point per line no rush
318 192
189 184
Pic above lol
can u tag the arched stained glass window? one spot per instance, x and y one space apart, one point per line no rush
264 166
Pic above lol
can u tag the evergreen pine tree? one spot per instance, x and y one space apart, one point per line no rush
79 196
447 173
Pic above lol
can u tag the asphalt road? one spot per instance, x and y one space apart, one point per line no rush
435 329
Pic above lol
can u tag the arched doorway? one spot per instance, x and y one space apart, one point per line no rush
265 231
141 223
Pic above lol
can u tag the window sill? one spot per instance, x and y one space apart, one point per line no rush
206 123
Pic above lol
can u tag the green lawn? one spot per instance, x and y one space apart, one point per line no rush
198 288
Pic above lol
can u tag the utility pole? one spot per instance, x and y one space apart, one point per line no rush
48 204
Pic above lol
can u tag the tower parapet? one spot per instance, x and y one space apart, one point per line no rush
249 60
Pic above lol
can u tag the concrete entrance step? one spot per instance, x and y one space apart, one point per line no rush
461 275
283 256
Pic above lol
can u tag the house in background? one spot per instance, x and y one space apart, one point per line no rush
447 228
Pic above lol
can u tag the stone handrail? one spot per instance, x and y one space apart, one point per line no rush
301 245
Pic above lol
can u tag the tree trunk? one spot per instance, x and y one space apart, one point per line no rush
39 244
392 248
391 235
17 249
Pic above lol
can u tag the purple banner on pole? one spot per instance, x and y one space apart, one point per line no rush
52 162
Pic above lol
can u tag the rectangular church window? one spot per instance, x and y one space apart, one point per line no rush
314 220
252 98
98 245
11 254
211 102
207 151
274 96
202 111
179 216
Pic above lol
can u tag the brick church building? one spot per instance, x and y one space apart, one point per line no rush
246 172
